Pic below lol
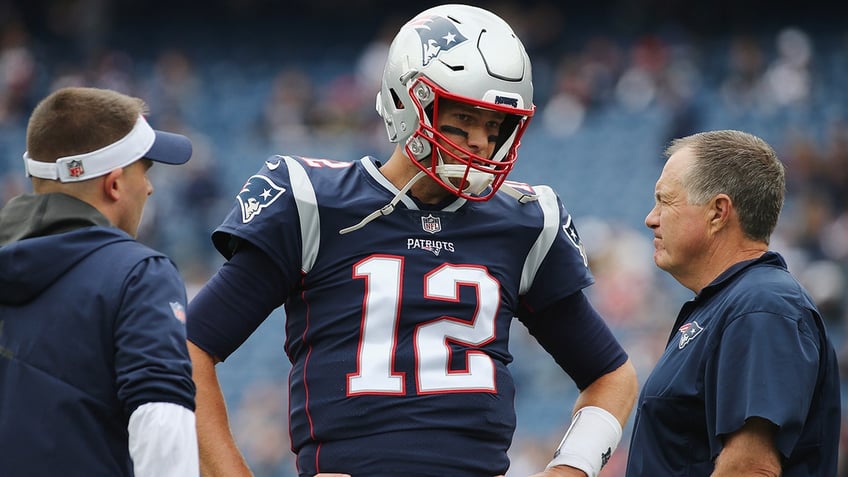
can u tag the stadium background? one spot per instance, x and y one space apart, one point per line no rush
615 80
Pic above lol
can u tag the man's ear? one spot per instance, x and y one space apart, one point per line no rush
112 184
720 210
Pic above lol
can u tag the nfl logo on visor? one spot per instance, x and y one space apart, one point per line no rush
75 169
431 224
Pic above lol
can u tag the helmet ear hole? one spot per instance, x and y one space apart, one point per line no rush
396 99
508 128
428 110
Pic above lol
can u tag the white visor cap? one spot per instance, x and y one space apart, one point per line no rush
141 142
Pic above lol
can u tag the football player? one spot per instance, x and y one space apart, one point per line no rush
401 279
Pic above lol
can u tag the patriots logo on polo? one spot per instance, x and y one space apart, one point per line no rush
257 193
437 34
431 224
688 332
75 169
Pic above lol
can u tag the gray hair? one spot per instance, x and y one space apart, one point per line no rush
744 167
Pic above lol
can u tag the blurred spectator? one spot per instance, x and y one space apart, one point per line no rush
17 73
637 87
788 79
287 114
746 62
113 69
565 111
174 87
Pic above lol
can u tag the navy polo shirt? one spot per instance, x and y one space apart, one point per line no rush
751 344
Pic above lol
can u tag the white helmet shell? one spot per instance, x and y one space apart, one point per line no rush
462 53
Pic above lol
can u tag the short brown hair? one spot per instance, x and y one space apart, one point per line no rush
744 167
77 120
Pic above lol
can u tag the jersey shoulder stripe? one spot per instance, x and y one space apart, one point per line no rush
551 216
307 210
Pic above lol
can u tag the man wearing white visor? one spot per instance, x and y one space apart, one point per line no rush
95 377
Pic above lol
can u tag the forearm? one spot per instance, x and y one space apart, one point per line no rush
560 471
219 454
614 392
601 412
750 452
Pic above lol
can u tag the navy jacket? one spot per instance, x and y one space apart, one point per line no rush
91 328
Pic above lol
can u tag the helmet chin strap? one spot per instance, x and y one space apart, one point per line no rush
517 195
477 180
386 209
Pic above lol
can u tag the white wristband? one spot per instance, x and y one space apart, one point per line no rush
588 443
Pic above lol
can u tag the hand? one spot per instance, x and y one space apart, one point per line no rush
560 471
348 475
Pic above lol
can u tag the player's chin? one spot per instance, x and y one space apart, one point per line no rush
459 183
661 259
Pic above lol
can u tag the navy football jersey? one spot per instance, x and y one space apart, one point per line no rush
397 332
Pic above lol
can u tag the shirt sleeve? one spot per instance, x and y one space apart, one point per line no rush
557 266
578 339
265 214
238 298
163 441
151 356
766 366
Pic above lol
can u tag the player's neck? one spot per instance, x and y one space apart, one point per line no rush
399 170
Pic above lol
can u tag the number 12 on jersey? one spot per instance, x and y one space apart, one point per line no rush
383 275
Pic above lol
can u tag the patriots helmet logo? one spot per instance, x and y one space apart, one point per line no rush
437 34
257 193
688 332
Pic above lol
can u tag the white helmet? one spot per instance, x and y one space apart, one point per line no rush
466 54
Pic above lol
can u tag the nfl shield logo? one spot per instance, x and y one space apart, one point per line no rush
431 224
75 169
178 310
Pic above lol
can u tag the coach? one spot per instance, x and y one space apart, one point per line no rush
748 384
95 378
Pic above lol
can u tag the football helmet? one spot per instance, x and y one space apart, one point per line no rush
465 54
